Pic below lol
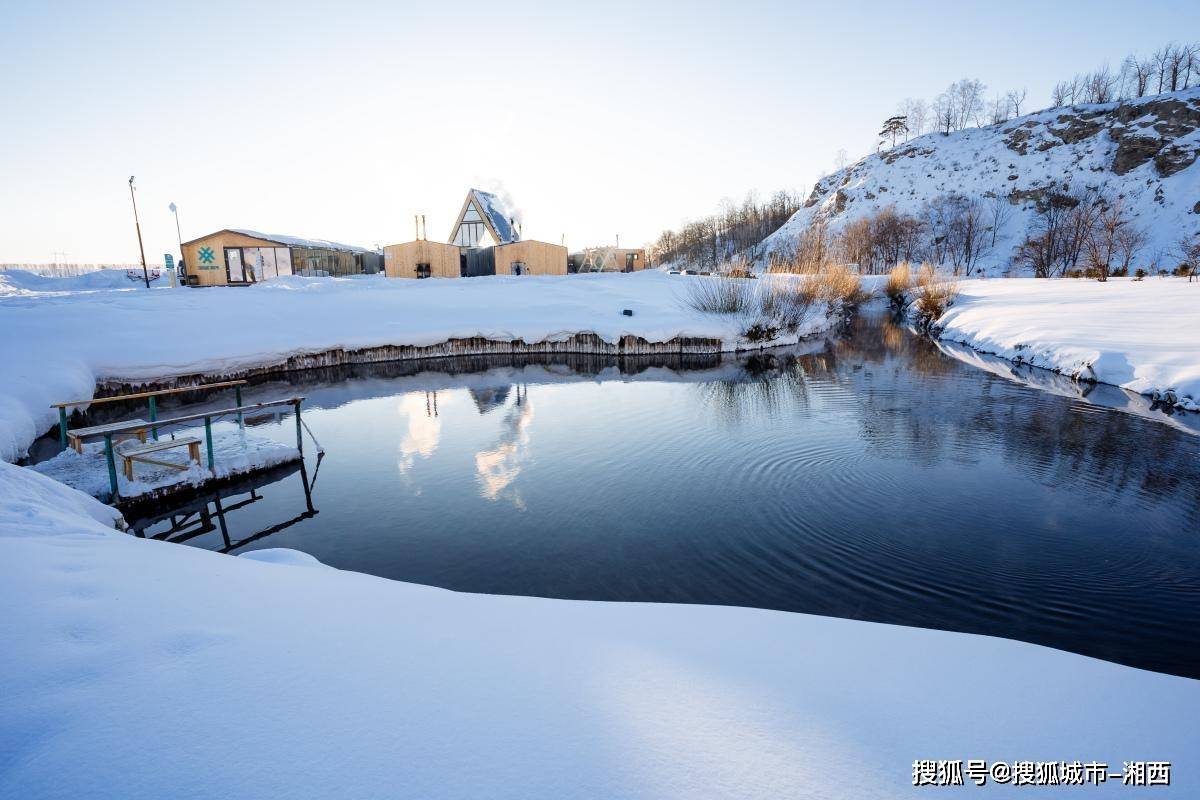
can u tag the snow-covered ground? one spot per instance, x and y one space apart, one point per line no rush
1139 335
235 451
142 669
58 337
134 668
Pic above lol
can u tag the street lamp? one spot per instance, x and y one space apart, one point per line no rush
178 237
138 225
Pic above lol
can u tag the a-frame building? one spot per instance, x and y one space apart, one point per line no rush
484 221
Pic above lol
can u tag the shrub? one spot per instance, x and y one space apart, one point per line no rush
838 284
934 293
898 285
728 291
787 300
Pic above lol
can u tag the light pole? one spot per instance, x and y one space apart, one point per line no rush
138 225
178 238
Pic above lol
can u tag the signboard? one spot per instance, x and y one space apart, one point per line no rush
169 261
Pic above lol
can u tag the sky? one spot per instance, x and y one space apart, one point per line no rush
344 120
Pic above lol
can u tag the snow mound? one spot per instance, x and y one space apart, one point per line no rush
1144 151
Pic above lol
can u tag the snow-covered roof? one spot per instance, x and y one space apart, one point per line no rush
501 217
297 241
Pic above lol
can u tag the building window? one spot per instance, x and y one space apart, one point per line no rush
423 271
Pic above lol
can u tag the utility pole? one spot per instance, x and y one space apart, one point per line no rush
138 225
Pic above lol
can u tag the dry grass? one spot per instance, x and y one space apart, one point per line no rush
934 293
727 291
838 284
899 284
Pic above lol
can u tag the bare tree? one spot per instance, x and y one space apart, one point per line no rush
943 113
1001 213
1015 99
1107 237
841 160
1189 255
917 113
1140 71
998 110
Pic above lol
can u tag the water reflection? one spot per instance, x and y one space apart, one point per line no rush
213 511
420 409
873 476
500 465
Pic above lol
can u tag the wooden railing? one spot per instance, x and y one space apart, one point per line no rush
153 397
207 416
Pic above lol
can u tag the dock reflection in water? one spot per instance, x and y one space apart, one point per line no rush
210 513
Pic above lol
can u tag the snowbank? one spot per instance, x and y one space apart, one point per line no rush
132 668
56 345
23 282
1139 335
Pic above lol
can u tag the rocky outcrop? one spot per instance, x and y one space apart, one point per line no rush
1133 150
1173 158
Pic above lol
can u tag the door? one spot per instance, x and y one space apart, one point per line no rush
235 270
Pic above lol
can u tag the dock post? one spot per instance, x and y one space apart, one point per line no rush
299 438
208 441
62 426
112 465
153 416
237 395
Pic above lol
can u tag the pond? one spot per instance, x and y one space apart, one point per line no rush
871 476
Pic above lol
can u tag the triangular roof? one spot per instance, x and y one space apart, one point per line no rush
496 217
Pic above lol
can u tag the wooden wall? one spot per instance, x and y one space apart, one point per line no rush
213 273
539 258
400 260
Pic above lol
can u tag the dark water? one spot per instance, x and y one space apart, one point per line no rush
873 477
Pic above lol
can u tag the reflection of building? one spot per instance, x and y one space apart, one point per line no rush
487 399
486 240
607 259
424 427
499 466
239 257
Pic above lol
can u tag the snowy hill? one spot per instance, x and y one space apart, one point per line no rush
1143 151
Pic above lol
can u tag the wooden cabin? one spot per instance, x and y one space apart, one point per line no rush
422 259
236 257
608 259
486 240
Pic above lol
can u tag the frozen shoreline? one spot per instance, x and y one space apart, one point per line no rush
1138 335
58 344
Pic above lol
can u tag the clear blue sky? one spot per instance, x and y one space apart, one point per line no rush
343 120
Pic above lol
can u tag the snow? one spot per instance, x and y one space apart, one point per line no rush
56 344
500 213
234 452
977 162
297 241
134 667
21 282
1138 335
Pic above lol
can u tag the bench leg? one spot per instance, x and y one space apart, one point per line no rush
77 443
128 468
194 452
141 436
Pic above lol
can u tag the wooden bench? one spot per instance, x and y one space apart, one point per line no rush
142 453
80 435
